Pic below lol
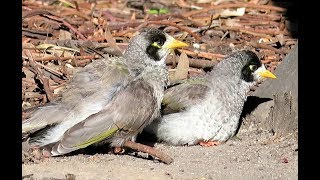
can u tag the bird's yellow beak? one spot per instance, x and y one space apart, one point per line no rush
267 74
175 44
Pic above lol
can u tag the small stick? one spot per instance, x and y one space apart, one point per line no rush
45 80
257 34
265 46
238 5
147 149
203 54
251 30
196 63
167 23
68 25
49 58
54 17
34 13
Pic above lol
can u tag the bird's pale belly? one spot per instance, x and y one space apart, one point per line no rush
215 123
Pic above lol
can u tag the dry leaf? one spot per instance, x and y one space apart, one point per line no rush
29 74
281 39
111 41
232 22
182 68
64 35
27 45
67 4
228 13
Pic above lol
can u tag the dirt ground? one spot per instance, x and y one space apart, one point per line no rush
252 154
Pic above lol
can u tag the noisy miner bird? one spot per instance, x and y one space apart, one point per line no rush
108 101
206 109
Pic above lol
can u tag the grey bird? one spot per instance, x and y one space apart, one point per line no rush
206 109
108 101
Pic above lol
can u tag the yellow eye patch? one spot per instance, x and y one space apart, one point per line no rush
155 44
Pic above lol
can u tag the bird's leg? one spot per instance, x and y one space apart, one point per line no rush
209 143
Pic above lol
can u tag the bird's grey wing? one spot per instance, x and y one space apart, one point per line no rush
41 116
125 116
188 92
98 76
88 91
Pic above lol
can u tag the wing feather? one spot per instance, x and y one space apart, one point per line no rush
125 116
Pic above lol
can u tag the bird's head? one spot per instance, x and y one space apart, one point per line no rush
153 43
253 69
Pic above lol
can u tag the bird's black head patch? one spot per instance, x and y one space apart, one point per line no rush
156 39
253 63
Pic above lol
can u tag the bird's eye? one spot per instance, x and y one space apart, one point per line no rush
158 43
253 67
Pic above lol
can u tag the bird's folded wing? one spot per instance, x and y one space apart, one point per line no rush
126 115
181 96
98 76
96 81
41 116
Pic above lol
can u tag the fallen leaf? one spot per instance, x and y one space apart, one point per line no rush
64 35
281 39
111 41
232 22
64 3
228 13
182 68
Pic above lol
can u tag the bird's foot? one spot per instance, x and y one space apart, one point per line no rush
118 150
40 153
209 143
35 154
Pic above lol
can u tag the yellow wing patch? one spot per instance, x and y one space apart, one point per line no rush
98 138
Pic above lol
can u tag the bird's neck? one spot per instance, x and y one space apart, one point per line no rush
229 82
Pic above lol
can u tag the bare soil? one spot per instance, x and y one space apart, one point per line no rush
252 154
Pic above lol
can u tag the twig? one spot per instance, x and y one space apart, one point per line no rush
178 16
122 33
264 46
263 17
54 17
267 61
238 5
68 25
256 34
147 149
251 30
50 58
33 35
75 12
197 63
45 33
57 73
116 25
203 54
45 80
35 12
168 23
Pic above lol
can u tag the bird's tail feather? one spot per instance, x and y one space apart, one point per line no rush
43 116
